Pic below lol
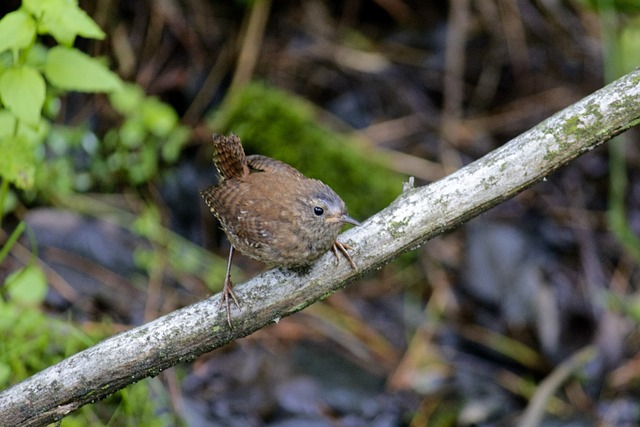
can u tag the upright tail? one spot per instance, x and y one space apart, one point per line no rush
229 157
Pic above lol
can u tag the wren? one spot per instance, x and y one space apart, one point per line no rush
271 212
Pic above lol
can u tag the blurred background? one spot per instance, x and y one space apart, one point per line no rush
103 228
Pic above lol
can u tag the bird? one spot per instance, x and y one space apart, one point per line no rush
271 212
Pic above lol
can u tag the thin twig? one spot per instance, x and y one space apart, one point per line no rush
535 410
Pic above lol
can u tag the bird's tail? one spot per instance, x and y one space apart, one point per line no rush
229 157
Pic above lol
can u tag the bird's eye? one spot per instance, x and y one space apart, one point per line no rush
318 210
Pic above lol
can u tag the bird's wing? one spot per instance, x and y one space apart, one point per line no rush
267 164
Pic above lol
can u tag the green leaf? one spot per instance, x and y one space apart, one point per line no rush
132 133
127 101
66 26
78 22
17 31
27 286
36 56
39 8
70 69
148 223
17 164
63 19
22 91
35 135
174 143
7 124
158 117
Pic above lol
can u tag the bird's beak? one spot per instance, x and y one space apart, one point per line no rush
342 218
348 219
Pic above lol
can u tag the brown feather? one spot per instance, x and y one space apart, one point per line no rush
267 164
229 157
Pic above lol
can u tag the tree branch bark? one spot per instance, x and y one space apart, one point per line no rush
416 216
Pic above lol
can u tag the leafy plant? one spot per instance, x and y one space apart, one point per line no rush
149 135
33 77
29 73
32 341
44 158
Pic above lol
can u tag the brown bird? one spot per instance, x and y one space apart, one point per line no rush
271 212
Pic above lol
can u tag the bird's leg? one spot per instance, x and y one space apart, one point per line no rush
342 248
227 291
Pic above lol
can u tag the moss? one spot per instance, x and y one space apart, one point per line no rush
570 127
624 102
489 182
280 125
397 228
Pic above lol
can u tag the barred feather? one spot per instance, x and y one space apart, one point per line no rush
229 157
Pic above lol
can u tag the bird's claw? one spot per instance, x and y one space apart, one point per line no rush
338 248
227 296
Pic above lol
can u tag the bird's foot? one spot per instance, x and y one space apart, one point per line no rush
343 248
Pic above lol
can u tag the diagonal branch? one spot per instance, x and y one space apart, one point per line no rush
416 216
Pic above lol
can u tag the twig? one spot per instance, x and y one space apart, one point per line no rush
252 42
535 410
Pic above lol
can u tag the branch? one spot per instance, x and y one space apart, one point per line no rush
416 216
